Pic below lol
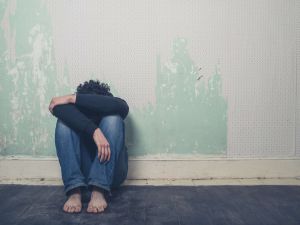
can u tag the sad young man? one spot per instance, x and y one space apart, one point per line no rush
90 144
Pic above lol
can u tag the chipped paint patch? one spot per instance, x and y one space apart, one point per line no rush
28 78
188 118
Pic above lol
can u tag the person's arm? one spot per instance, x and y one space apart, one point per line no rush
102 104
74 118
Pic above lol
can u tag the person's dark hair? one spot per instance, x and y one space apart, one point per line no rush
94 87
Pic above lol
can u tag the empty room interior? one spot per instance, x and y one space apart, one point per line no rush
150 112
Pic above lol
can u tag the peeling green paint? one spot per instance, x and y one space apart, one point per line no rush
3 5
28 81
187 118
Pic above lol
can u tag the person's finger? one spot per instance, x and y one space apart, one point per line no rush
109 153
99 152
105 153
102 153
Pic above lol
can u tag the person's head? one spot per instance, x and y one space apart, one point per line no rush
94 87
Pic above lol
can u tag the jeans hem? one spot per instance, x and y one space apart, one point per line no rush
106 188
118 184
72 186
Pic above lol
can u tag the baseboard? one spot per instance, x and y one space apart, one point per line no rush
212 168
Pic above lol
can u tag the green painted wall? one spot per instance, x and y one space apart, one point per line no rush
28 80
189 117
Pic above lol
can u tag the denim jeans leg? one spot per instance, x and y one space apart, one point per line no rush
67 143
121 169
88 150
102 173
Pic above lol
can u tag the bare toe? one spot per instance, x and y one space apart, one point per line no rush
98 209
90 208
97 203
67 208
73 204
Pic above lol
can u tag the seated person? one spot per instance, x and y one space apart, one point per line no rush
90 143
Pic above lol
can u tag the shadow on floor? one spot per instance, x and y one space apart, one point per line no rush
152 205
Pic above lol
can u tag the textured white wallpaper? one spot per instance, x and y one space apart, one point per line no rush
254 43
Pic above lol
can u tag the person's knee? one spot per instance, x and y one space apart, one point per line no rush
61 127
112 121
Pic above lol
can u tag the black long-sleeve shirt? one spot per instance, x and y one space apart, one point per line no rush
86 113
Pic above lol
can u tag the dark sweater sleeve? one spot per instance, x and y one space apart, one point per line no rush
74 118
103 104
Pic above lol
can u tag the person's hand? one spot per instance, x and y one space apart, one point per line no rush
61 100
102 145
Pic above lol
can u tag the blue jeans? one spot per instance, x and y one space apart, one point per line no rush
80 166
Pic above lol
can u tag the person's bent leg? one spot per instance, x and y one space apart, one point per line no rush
121 169
88 151
102 173
67 144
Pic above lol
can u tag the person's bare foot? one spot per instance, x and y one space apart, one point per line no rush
73 204
97 203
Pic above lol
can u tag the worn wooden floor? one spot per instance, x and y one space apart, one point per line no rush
153 205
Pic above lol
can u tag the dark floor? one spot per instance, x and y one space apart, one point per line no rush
151 205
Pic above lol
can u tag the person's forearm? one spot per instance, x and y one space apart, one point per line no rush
101 104
75 119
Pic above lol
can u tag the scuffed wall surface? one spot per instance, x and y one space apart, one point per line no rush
241 103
